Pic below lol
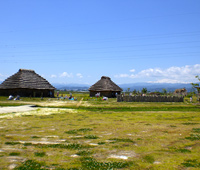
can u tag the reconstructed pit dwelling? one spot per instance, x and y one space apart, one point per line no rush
26 83
106 87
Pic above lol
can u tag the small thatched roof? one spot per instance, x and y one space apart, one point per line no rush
26 79
105 84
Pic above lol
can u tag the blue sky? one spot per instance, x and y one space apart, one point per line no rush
79 41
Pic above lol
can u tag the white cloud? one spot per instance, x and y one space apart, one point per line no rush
133 70
79 75
170 75
65 74
133 76
53 76
156 72
121 76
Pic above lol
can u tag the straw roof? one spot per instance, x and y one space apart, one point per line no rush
105 84
26 79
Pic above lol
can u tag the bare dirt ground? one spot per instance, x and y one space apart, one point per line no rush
44 103
17 111
14 109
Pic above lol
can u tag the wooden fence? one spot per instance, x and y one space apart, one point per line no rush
121 98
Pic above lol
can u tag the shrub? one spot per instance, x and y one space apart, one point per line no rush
183 150
34 137
30 165
149 159
40 154
122 140
63 146
27 144
14 154
196 130
91 137
75 131
12 143
190 123
84 153
101 143
193 137
191 163
92 164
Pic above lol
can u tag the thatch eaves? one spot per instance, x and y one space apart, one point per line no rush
105 84
26 79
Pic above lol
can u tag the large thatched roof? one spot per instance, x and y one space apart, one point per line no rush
105 84
26 79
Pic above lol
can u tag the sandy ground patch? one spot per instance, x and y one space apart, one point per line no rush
79 103
14 109
45 103
122 155
17 111
57 103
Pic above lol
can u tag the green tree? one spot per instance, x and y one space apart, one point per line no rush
134 91
164 91
195 85
144 90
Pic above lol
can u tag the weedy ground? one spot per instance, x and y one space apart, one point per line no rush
95 134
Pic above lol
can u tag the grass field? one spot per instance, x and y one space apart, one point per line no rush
93 134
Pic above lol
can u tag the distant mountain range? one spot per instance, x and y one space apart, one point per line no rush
74 87
151 87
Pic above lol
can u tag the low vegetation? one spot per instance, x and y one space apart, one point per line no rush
98 135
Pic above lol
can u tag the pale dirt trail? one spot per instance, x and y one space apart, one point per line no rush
14 109
79 103
17 111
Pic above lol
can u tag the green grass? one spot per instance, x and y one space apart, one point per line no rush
30 165
125 108
193 137
98 134
12 143
122 140
76 131
35 137
84 153
87 163
92 164
40 154
14 154
183 150
196 130
91 137
148 159
191 163
74 146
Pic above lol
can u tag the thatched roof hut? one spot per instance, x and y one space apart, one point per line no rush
106 87
26 83
180 92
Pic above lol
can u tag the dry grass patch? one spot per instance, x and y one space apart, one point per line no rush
111 137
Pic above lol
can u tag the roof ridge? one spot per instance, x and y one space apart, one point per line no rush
21 69
105 84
